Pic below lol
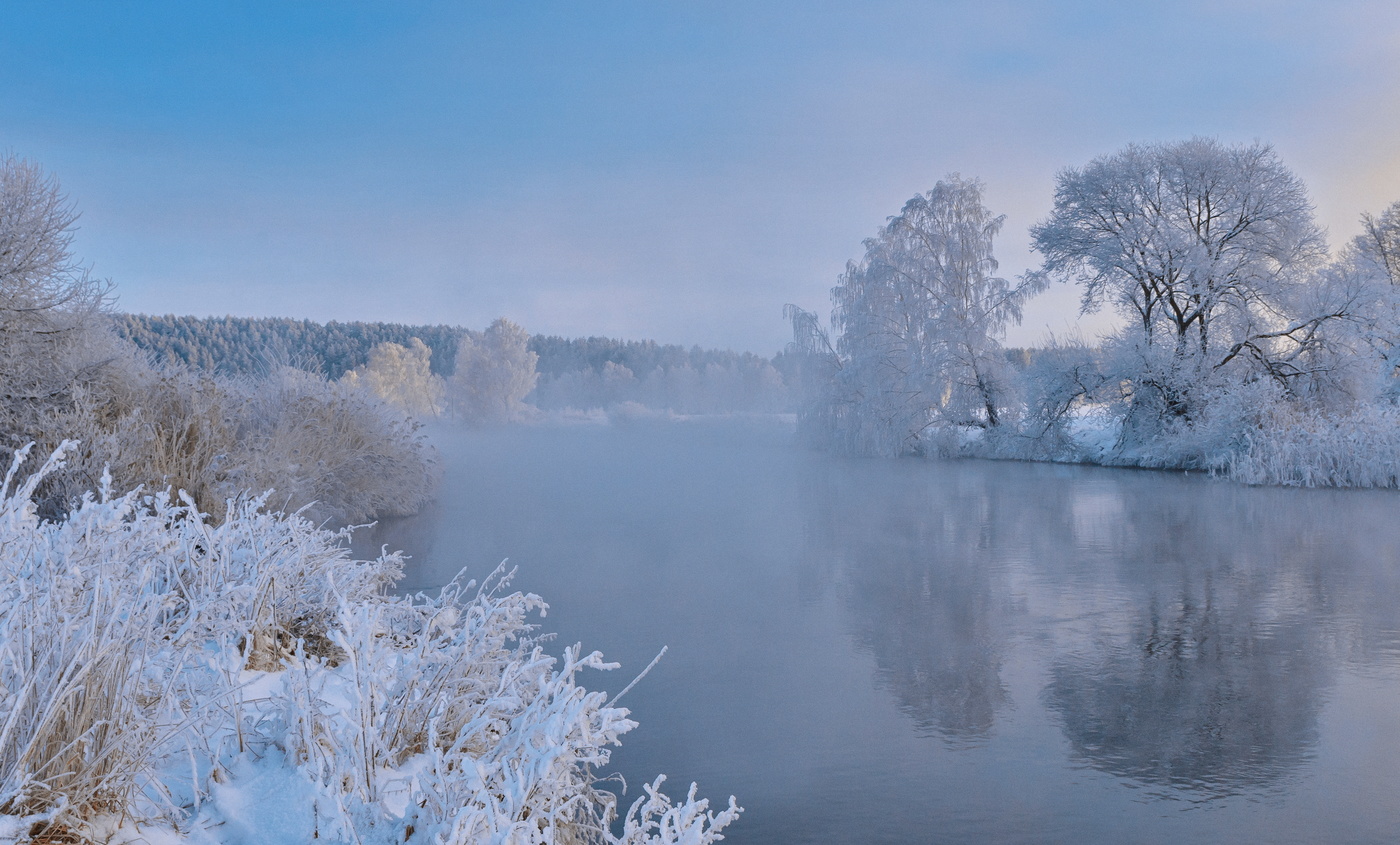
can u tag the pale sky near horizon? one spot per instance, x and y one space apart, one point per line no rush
673 171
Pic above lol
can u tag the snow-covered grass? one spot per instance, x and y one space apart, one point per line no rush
164 678
1355 448
1264 442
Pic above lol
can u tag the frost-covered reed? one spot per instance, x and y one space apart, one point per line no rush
348 455
246 680
1356 448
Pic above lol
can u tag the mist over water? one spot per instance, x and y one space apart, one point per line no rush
919 651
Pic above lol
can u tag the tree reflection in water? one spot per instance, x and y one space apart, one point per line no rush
1211 677
1185 632
933 629
919 581
1196 695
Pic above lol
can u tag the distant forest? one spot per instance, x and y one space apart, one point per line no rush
250 345
573 372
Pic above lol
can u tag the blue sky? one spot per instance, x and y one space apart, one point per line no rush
675 171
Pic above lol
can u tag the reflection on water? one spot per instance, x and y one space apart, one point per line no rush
1197 622
923 600
908 651
1211 675
1195 694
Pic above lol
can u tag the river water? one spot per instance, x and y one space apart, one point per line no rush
905 651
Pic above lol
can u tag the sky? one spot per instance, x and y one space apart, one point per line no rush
668 170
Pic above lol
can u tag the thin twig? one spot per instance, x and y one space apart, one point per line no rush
655 660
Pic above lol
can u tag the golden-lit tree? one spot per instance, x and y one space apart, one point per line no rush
401 376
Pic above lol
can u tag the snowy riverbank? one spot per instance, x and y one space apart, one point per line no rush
170 680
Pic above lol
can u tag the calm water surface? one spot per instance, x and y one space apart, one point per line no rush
912 651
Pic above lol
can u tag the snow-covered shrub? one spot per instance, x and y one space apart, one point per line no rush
654 819
248 681
76 662
177 429
345 453
321 442
1061 383
111 620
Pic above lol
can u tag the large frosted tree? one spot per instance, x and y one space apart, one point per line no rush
918 322
1209 251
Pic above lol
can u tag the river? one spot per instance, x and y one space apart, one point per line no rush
908 651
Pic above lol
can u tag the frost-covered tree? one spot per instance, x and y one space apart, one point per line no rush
918 322
1210 252
1363 351
1179 236
493 374
1379 242
402 376
48 299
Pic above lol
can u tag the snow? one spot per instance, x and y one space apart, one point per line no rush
264 803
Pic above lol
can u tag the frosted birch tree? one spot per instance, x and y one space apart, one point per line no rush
494 374
918 322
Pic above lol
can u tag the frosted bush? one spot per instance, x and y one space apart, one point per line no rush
352 455
76 661
655 820
346 454
248 681
120 626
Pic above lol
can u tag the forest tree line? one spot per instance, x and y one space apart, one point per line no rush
579 373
